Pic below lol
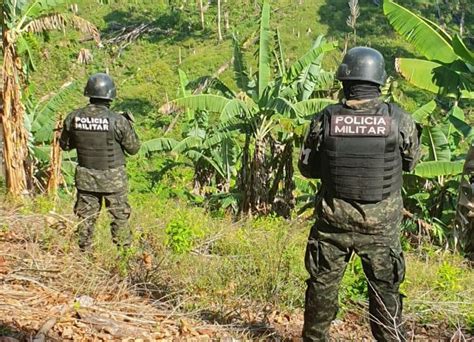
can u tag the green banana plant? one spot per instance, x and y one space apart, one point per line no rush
448 66
446 71
40 121
438 171
19 21
441 138
211 149
269 109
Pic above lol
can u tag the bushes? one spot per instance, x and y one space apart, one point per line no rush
182 234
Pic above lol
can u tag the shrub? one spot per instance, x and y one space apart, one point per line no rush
181 234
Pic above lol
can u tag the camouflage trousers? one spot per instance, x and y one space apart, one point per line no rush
87 209
327 254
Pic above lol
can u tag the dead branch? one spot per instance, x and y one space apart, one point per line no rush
112 327
128 34
423 224
55 175
49 324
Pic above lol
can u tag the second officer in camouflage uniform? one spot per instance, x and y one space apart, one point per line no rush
101 138
358 149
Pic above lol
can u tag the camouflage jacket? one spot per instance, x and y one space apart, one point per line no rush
370 218
104 181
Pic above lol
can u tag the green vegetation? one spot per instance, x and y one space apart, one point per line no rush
215 129
265 113
220 266
20 20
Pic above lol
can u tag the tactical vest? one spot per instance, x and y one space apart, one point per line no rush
362 160
93 135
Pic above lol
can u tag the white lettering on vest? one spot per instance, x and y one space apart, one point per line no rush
305 153
91 124
360 125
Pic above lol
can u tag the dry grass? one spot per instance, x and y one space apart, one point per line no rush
243 280
71 297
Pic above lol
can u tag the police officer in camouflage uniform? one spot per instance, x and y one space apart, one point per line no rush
358 148
101 138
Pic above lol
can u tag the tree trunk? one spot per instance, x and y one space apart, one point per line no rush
226 20
54 171
464 227
201 11
258 184
289 182
219 30
226 16
276 168
2 160
244 178
283 202
202 177
18 171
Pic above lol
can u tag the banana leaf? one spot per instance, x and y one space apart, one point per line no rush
432 169
427 38
264 67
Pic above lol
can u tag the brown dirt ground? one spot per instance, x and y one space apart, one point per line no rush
56 295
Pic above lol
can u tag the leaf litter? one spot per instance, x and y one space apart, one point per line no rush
62 295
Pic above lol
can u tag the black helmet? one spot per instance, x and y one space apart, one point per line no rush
362 64
100 86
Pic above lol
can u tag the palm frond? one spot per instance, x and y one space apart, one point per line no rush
308 78
437 143
186 144
216 138
183 83
432 169
211 83
309 108
279 55
208 102
422 114
463 51
14 8
457 119
24 50
283 107
429 75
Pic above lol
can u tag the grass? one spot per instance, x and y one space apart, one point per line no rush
219 265
440 293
